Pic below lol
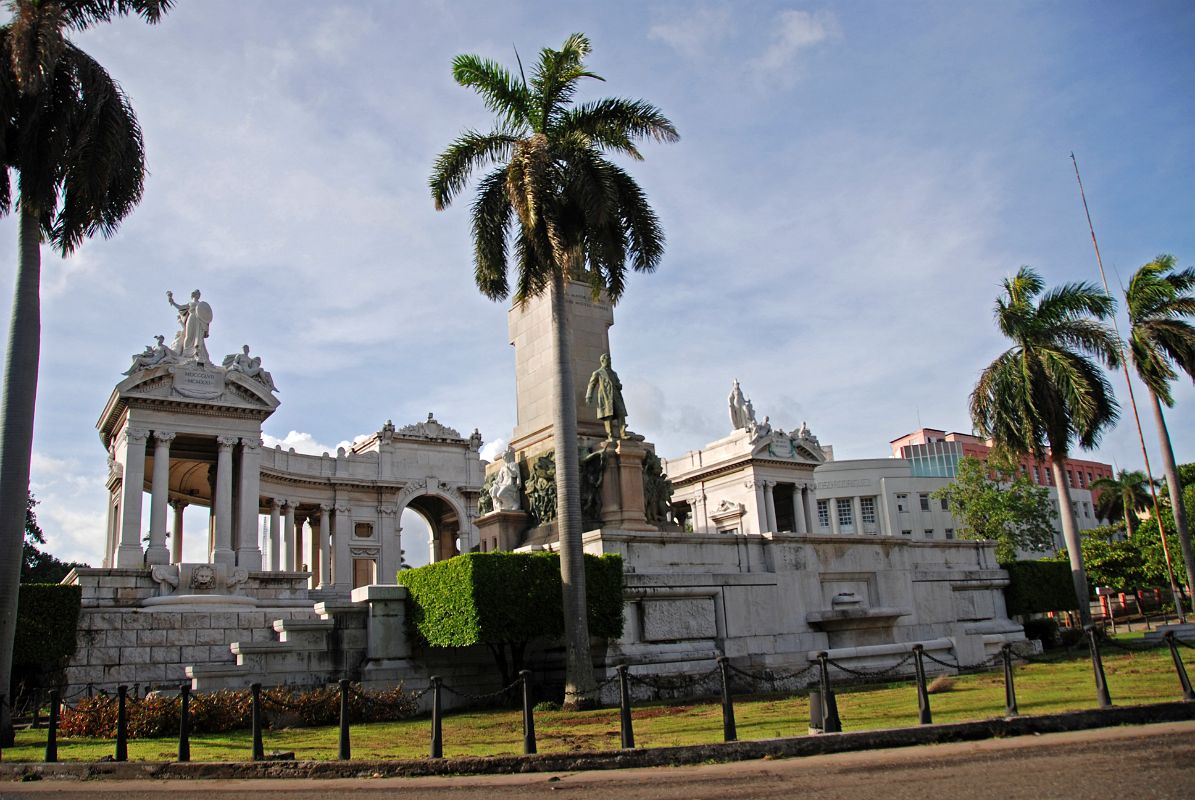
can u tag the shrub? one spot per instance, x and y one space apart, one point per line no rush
940 684
1039 586
1044 629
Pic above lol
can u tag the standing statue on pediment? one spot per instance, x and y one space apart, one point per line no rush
738 408
194 319
604 393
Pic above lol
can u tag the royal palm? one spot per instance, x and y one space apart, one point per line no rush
1122 496
579 216
69 133
1160 300
1047 391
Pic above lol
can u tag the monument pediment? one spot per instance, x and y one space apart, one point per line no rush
789 448
192 382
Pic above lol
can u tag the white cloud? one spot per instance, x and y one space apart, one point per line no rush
794 31
692 33
492 451
306 443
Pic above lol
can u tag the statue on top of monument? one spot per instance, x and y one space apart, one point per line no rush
152 356
738 407
194 319
250 367
504 491
604 393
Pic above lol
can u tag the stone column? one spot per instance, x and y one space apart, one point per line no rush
157 553
325 548
761 507
300 521
318 520
799 510
128 552
390 541
176 533
857 504
222 552
342 563
770 504
248 495
832 507
289 561
275 534
809 500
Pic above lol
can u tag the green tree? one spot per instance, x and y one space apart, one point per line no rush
1122 496
1160 300
69 132
1010 510
580 217
1047 391
1113 561
38 566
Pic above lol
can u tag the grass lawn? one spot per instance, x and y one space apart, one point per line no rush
1041 688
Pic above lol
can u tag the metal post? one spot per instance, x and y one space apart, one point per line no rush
52 733
1010 690
122 724
528 714
345 750
1097 664
437 731
728 730
830 720
1178 667
624 709
259 750
184 722
923 710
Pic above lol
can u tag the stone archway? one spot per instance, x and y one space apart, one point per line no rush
446 515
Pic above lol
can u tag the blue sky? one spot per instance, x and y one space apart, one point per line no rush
853 182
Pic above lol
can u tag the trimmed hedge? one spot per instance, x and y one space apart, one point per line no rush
47 620
493 598
1038 586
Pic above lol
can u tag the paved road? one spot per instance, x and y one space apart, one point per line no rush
1152 761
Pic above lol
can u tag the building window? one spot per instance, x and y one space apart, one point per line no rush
945 505
1089 479
867 508
363 530
730 531
929 533
846 514
823 514
950 533
906 533
1086 509
1070 479
924 502
1036 474
902 503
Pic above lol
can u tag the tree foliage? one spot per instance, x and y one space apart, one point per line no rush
1011 510
1120 498
38 566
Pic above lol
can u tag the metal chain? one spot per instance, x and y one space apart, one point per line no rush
376 700
670 683
479 698
771 677
871 673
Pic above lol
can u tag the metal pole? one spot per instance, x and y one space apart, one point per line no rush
52 733
437 731
345 752
830 720
528 714
122 724
624 709
1010 689
925 715
1097 664
184 722
1185 682
729 733
259 750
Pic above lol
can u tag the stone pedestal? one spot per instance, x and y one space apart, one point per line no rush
622 487
502 530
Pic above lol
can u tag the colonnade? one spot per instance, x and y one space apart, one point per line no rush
802 503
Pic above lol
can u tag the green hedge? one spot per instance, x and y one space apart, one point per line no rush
1039 586
491 598
47 619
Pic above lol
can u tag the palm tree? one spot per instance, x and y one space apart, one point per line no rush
69 132
1047 391
1160 298
580 218
1122 496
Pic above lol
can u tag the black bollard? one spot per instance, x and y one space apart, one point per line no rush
925 715
437 730
259 750
52 733
345 750
1010 690
624 709
830 721
528 713
184 722
1179 668
729 734
122 724
1097 664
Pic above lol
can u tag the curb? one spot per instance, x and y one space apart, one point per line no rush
793 747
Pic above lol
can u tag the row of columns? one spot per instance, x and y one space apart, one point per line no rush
765 501
329 551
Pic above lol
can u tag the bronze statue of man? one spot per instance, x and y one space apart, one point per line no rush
605 395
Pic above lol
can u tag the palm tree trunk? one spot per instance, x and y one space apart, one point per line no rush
579 685
16 441
1070 534
1176 492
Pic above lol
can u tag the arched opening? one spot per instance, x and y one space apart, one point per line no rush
442 529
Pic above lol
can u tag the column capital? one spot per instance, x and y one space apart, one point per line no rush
179 504
227 442
325 507
343 509
277 502
387 510
136 435
251 444
165 436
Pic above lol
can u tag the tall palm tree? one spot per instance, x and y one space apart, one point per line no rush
69 132
580 218
1160 300
1122 496
1047 391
